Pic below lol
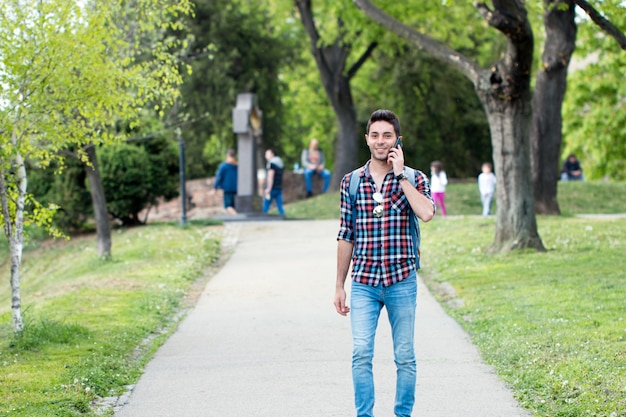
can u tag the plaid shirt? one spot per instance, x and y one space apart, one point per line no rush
384 247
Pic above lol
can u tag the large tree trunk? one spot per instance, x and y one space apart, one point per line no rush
516 226
551 83
331 63
103 228
346 149
504 91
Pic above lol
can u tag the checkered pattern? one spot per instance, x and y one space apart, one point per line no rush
383 251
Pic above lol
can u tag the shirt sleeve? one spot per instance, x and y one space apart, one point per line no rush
219 177
423 186
345 211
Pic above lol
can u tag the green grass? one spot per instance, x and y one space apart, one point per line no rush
91 324
553 324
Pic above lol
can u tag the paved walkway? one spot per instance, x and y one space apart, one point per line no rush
264 340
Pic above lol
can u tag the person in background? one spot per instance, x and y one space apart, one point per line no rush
438 182
571 169
375 235
313 162
226 180
486 187
273 182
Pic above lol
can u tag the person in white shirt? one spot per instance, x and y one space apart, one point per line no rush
487 187
438 182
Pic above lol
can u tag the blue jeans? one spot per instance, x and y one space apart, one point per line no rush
274 195
308 179
366 302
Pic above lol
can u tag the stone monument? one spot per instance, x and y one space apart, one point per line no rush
248 126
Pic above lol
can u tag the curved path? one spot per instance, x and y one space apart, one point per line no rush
264 340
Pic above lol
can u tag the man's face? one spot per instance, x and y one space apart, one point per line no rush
381 138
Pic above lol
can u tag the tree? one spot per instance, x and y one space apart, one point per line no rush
504 90
234 48
594 109
550 87
68 73
441 116
551 81
331 53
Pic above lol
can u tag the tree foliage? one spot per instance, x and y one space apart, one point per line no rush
67 189
233 49
441 116
68 71
594 112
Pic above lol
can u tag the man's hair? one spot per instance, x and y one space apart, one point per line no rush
385 116
231 152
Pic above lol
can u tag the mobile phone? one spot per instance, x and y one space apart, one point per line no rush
398 143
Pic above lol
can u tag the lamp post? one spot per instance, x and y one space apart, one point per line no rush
181 170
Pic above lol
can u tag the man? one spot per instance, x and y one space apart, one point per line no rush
226 180
274 182
571 169
313 162
383 260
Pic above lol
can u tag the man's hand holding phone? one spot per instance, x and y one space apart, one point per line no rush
396 156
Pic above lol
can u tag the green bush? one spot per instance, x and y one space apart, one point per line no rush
126 179
134 177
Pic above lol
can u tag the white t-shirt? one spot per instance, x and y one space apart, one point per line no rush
438 182
486 182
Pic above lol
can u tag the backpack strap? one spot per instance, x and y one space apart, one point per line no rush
355 180
414 221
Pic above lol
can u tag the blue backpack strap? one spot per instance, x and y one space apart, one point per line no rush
414 222
355 179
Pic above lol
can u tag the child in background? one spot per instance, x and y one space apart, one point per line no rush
438 182
226 180
487 187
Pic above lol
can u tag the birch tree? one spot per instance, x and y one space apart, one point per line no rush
68 74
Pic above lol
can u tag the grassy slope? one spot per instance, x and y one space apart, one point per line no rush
87 319
552 323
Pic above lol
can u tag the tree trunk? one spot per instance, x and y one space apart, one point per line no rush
516 226
103 228
14 230
551 83
331 63
346 149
